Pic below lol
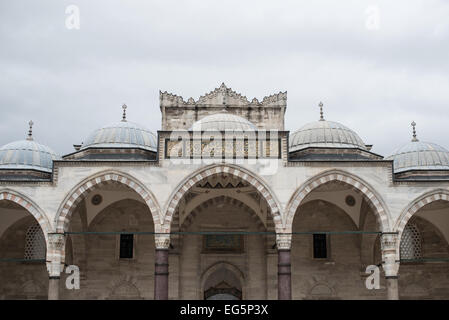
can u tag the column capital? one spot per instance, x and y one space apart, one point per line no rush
390 259
162 241
284 241
389 241
56 241
55 253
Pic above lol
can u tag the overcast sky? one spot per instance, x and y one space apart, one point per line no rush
376 65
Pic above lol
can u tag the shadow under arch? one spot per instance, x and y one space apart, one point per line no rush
76 194
222 265
187 183
415 206
373 198
30 206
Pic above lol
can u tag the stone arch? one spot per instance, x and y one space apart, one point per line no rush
415 206
241 197
225 200
30 206
65 210
321 289
374 200
237 172
125 287
227 266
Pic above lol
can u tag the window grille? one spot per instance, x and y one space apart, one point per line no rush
35 246
411 242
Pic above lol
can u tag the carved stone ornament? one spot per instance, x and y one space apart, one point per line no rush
283 241
162 241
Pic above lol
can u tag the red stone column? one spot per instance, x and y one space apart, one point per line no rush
161 275
161 267
284 275
283 242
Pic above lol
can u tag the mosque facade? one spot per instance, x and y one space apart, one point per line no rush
224 202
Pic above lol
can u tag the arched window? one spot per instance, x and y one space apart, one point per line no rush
411 242
35 246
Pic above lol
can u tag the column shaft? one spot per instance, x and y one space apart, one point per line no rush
161 275
53 288
392 288
284 275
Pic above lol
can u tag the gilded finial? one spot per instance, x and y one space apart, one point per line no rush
321 111
124 106
30 131
414 132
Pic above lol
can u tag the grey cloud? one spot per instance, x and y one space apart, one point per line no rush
374 81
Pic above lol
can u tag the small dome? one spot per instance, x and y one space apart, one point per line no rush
27 154
122 134
325 134
222 122
418 155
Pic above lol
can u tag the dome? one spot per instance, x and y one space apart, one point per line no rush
418 155
28 155
325 134
122 134
222 122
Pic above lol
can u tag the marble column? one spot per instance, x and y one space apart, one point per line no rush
161 267
390 263
283 242
55 263
53 288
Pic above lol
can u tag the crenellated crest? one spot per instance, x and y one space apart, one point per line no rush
221 96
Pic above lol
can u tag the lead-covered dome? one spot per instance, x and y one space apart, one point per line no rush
27 155
325 134
123 134
222 121
418 155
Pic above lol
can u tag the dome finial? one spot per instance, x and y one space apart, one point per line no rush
414 132
124 106
30 131
321 111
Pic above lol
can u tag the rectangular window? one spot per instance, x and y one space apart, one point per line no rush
319 246
126 246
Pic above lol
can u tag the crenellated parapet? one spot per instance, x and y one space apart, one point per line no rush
279 99
178 113
221 96
170 100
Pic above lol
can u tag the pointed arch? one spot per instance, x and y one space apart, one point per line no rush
62 219
374 200
237 172
416 205
30 206
227 266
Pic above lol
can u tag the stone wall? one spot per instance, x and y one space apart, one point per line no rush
106 276
426 280
20 280
262 117
340 276
195 261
